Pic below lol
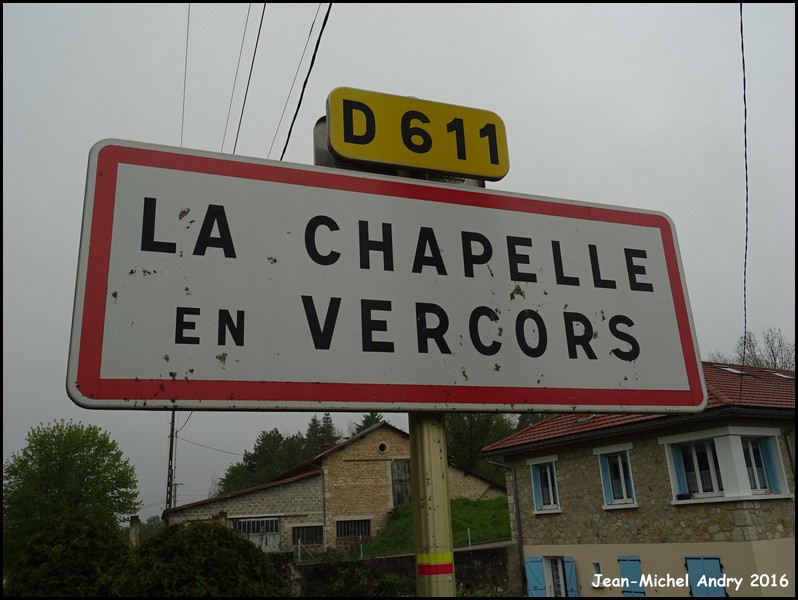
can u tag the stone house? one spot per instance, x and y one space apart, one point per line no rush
342 496
697 504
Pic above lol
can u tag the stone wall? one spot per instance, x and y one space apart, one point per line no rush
357 480
583 520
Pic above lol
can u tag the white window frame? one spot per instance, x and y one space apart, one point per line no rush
732 469
753 453
535 466
703 489
605 454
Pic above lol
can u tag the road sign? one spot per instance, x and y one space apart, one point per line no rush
407 132
211 281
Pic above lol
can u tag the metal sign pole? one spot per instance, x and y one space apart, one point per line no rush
432 522
429 458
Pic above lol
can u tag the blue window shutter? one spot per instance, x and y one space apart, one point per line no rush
697 566
766 446
630 570
535 582
606 484
536 492
570 577
681 479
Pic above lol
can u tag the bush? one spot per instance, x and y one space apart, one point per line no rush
73 559
199 559
342 575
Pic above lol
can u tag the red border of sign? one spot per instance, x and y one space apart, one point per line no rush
168 393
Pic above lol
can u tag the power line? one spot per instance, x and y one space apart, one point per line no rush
235 79
296 73
185 75
249 79
307 77
210 448
745 149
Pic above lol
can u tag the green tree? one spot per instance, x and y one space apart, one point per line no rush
468 433
329 432
272 455
314 436
275 454
151 527
237 477
68 472
319 435
369 419
775 351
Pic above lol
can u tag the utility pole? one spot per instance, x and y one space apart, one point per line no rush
170 475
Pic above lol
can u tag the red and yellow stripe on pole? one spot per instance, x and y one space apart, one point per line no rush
435 563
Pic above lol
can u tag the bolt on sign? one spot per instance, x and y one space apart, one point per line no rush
405 132
211 281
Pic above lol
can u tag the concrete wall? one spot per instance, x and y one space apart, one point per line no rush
296 503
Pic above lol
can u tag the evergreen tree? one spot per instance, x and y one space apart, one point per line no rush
275 454
329 433
314 437
369 419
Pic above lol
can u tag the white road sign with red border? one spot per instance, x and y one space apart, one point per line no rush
212 281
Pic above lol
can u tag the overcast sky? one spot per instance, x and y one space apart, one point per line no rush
633 105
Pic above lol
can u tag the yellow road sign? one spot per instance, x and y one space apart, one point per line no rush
406 132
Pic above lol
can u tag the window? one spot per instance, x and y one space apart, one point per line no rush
708 465
616 475
256 525
264 532
631 576
757 464
544 484
699 465
551 576
359 529
400 478
307 535
704 574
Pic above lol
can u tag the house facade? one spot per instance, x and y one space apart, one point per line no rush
698 504
343 496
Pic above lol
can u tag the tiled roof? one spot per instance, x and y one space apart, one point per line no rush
727 386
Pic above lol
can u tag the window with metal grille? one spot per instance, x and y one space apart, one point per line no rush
308 535
256 525
353 529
